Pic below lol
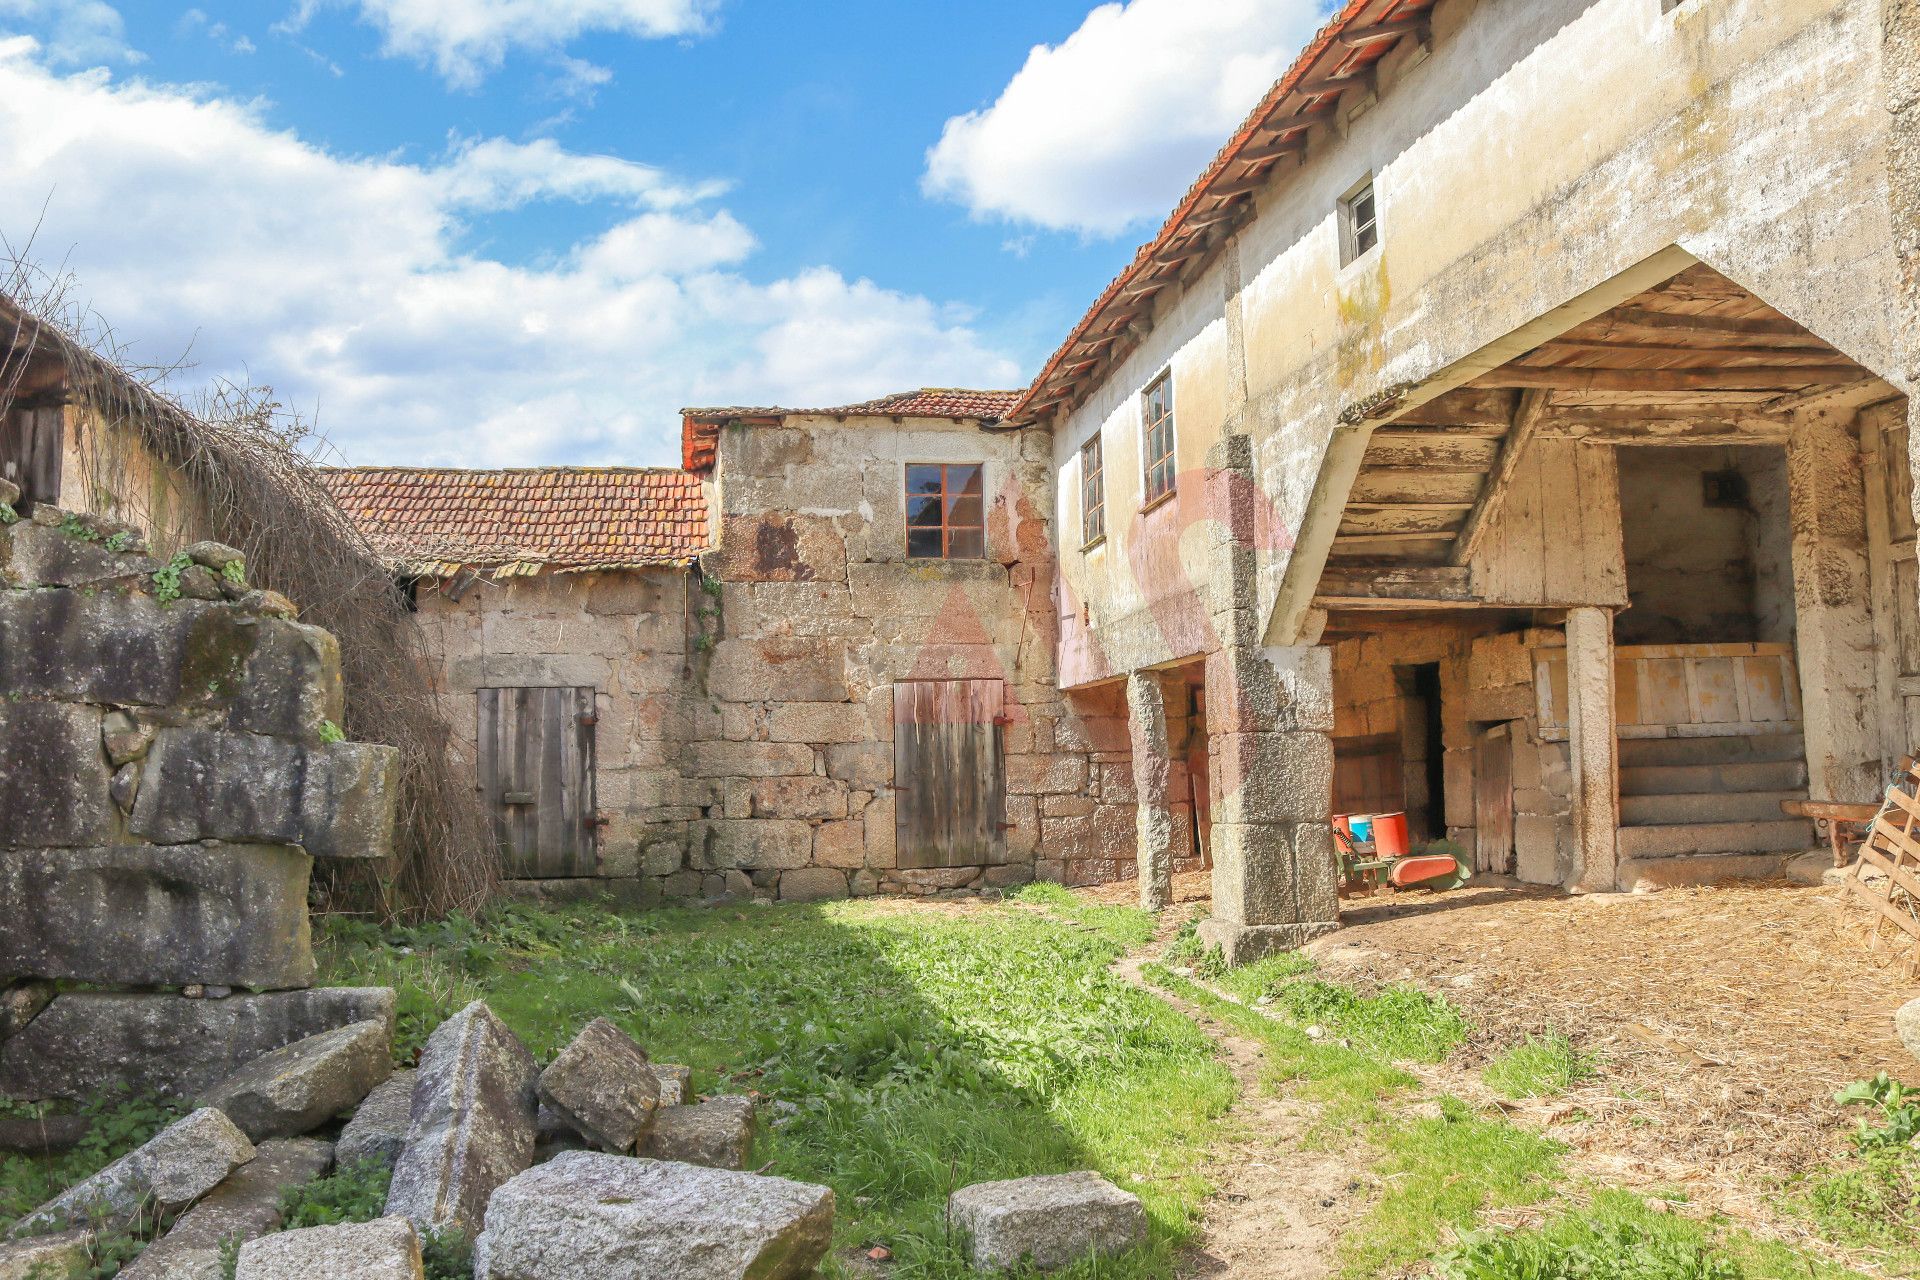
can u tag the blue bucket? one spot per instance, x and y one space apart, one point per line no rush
1361 824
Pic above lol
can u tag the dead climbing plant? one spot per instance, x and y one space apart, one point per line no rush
238 467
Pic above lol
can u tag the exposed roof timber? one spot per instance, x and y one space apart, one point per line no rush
1813 354
1724 326
1526 420
1563 378
1294 143
1393 30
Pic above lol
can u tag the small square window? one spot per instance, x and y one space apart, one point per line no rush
1156 409
1093 494
1359 223
946 511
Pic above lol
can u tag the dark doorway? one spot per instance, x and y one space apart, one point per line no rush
31 437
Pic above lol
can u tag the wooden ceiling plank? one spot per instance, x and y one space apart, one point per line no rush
1527 416
1562 377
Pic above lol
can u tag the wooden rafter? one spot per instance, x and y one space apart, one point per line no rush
1565 378
1526 420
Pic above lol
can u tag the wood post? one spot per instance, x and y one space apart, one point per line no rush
1596 775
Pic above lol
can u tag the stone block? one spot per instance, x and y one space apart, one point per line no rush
585 1216
812 884
235 915
52 1257
348 806
384 1249
1046 775
170 1171
602 1087
297 1088
378 1129
1253 876
717 1134
1109 832
1906 1024
841 844
1244 943
799 797
778 669
817 722
291 683
472 1126
128 650
1270 777
752 844
1316 873
1536 841
748 759
867 766
88 1042
778 546
1048 1221
244 1207
675 1082
33 555
1252 690
55 777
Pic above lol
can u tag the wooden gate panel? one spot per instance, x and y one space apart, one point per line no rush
949 773
1493 802
536 772
30 443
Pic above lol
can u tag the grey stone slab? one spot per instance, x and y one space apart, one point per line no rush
378 1130
55 777
235 915
295 1089
385 1249
34 555
44 1135
174 1168
675 1082
244 1207
292 679
352 793
1048 1221
121 649
45 1257
89 1041
717 1133
589 1216
602 1087
472 1126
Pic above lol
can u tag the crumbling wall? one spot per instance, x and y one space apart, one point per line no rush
170 768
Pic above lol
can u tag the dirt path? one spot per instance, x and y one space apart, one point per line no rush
1281 1205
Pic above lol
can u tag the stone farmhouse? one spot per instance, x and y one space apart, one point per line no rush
1510 426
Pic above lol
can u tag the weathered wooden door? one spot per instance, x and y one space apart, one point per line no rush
536 774
30 443
949 773
1493 801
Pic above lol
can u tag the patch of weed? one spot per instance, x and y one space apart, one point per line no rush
1872 1204
354 1192
119 1123
1540 1067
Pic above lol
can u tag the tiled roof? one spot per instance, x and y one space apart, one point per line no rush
1340 56
927 402
434 520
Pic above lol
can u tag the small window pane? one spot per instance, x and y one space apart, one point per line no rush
1093 493
963 480
923 544
923 511
922 479
966 544
964 509
946 510
1158 438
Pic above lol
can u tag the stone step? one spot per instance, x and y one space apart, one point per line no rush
1695 779
1704 806
1724 749
1682 839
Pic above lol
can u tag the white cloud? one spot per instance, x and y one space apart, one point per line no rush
342 281
465 39
1106 129
73 32
196 21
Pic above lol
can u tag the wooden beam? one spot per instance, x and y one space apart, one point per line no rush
1239 186
1562 378
1721 325
1293 143
1438 583
1822 354
1526 420
1379 31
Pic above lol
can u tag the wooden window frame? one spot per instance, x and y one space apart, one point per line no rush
1359 235
946 526
1093 493
1158 472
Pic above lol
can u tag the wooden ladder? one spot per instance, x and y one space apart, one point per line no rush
1891 857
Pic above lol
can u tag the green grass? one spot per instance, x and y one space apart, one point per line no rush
924 1050
1540 1067
1870 1203
1402 1024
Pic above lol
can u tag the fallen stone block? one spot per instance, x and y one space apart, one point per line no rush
46 1257
717 1133
235 915
55 777
385 1249
378 1129
472 1126
295 1089
1906 1022
43 1135
244 1207
1051 1220
586 1216
602 1086
88 1042
173 1169
552 1135
675 1082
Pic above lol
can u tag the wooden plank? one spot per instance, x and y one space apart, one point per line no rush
1401 518
1704 326
1465 407
1758 379
1493 849
1429 450
1572 347
1526 417
949 773
1413 484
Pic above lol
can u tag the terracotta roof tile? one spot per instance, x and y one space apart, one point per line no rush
926 402
432 519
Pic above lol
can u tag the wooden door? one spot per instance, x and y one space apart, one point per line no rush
949 773
536 774
30 443
1493 801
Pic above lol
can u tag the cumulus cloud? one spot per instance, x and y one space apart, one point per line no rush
73 32
465 39
343 280
1105 130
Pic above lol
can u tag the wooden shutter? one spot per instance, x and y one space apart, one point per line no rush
30 444
949 773
1493 801
536 774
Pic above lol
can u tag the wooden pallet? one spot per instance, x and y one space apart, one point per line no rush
1885 879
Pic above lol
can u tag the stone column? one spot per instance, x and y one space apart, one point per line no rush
1152 764
1592 730
1832 602
1270 748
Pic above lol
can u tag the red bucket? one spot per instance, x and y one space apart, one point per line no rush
1390 835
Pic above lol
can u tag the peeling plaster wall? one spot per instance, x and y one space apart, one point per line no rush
1542 152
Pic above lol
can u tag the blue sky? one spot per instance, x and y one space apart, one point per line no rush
504 232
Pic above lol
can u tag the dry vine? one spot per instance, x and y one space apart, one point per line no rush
239 469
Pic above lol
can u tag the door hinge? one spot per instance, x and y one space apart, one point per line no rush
516 797
589 718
